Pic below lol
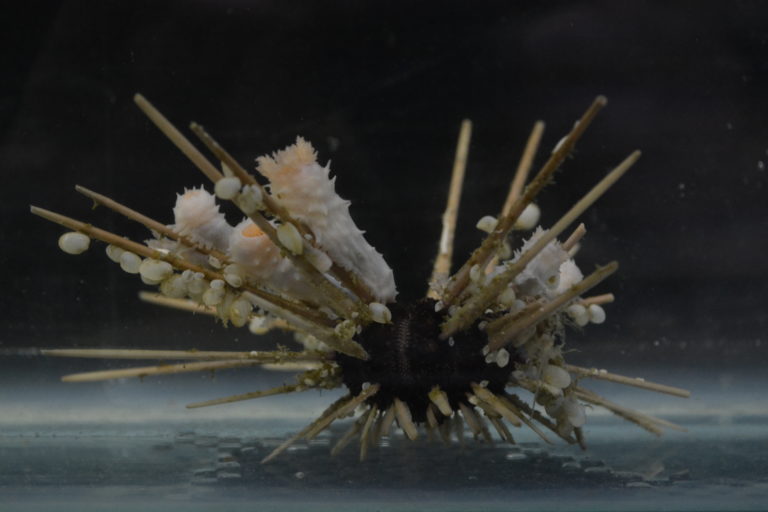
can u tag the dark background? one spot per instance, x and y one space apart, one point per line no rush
380 89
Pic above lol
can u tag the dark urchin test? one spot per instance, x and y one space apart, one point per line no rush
408 359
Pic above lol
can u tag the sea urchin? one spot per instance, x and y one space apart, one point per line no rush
298 262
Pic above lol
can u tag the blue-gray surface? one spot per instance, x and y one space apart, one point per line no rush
132 446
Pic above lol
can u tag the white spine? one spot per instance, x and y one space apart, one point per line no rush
304 188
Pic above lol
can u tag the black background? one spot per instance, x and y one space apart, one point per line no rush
380 88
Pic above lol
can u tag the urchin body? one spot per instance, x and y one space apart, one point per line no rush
408 359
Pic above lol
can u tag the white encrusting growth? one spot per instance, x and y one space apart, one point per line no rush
175 287
240 311
508 297
74 242
574 411
227 188
318 259
234 275
215 293
250 199
487 223
114 252
579 314
502 357
529 218
596 314
568 412
290 237
301 186
380 313
130 262
155 271
555 376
